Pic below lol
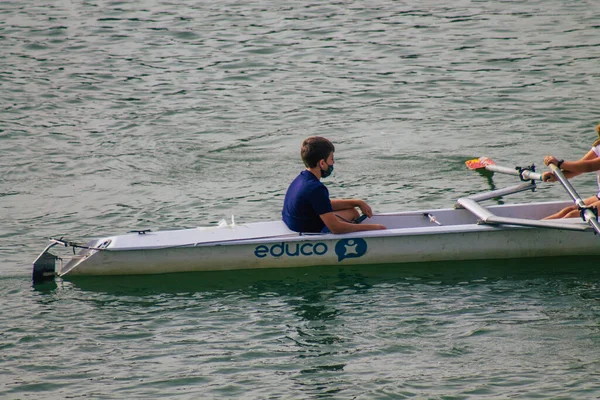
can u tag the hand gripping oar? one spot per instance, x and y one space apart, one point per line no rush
524 173
586 213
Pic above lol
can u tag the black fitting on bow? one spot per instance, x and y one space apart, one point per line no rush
141 232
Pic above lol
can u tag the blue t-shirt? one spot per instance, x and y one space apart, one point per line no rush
305 200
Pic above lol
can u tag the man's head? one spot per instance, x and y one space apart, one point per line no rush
314 149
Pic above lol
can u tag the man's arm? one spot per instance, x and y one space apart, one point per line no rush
344 204
336 225
588 163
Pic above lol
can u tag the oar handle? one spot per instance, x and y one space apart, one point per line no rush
588 215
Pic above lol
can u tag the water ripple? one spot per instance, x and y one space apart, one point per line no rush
123 115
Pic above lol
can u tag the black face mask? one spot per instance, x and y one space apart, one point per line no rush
327 172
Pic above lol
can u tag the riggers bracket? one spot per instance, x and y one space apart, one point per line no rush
530 168
592 209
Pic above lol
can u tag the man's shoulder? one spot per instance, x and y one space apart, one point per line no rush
307 185
307 179
307 175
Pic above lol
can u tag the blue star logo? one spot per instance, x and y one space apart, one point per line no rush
350 248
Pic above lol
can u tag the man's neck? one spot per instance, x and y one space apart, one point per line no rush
316 171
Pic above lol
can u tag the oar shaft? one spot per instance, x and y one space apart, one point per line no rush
526 174
568 187
588 214
502 170
532 175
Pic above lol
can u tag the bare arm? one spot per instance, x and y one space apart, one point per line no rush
584 165
588 163
345 204
336 225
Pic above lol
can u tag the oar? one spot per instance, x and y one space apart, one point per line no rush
490 165
588 215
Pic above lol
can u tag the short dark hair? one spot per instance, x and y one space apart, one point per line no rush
315 149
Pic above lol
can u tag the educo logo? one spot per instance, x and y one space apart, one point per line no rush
291 249
345 248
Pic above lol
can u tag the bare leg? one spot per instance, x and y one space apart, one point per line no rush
573 211
576 213
562 213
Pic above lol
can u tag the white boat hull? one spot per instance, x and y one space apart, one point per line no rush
410 237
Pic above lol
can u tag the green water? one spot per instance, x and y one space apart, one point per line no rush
495 329
118 116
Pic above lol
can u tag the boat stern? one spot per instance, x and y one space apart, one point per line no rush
44 267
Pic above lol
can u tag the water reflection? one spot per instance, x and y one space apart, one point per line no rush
318 322
489 175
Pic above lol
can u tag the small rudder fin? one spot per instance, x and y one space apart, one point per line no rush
44 267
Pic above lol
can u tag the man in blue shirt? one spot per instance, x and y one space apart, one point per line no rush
307 206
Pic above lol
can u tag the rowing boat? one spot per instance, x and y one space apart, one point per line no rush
466 231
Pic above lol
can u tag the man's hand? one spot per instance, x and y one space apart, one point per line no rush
365 208
550 160
549 176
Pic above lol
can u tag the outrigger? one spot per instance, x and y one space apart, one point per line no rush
467 231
